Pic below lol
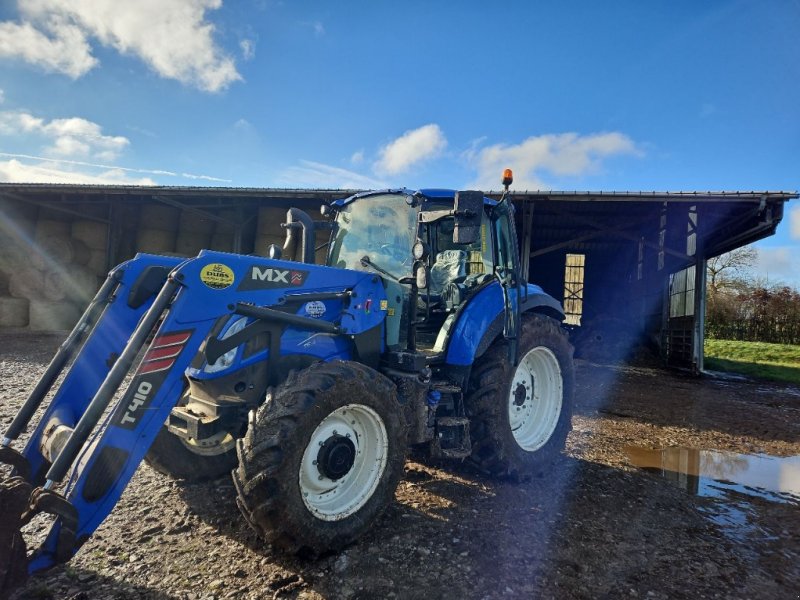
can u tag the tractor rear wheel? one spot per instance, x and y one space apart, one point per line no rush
520 416
322 457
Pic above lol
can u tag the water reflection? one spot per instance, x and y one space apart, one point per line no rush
708 472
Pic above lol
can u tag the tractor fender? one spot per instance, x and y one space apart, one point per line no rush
480 321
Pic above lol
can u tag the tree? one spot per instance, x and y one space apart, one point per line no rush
729 272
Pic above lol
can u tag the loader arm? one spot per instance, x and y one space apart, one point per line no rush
111 433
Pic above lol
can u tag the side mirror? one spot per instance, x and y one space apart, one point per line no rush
468 211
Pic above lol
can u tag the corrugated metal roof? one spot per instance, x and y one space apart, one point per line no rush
335 192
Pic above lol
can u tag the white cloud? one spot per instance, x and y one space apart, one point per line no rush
60 170
172 37
2 96
318 175
411 148
779 264
357 158
794 222
58 46
14 171
71 137
563 154
319 28
248 49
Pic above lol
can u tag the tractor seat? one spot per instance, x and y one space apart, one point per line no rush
449 266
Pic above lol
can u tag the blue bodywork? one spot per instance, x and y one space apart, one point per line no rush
202 298
319 312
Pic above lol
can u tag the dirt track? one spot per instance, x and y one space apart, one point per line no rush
595 528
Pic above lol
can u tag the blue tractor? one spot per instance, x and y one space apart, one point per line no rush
308 382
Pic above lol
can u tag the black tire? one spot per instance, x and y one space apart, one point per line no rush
15 494
274 451
495 449
176 458
171 456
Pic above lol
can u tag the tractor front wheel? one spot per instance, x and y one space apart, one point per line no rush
322 457
520 415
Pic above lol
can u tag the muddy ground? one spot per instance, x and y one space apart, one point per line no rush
595 528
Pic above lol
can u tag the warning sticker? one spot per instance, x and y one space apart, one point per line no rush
315 309
384 304
217 276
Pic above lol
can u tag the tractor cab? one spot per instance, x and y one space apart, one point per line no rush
433 249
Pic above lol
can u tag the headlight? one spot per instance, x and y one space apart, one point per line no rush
226 360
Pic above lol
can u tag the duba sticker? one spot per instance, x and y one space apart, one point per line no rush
217 276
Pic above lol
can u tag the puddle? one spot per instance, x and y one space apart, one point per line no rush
712 473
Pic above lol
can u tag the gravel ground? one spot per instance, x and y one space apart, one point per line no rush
596 527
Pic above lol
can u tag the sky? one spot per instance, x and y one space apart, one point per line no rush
573 95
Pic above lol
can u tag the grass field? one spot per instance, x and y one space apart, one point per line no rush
778 362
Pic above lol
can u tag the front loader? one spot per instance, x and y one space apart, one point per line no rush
307 382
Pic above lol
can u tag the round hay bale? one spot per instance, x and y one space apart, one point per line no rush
189 244
26 283
73 283
59 250
13 257
91 233
159 216
13 312
194 223
155 241
222 242
47 228
52 316
269 221
98 262
232 217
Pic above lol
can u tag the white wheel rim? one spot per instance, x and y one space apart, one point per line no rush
335 499
535 398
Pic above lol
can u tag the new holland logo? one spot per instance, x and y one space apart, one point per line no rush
264 277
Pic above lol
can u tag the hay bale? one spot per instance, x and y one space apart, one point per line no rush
73 283
155 241
13 312
189 244
222 242
47 228
52 316
230 227
91 233
158 216
192 222
12 256
98 262
269 221
59 250
26 283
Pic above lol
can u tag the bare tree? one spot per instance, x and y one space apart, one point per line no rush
729 271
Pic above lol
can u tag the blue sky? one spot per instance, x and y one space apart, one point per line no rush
572 95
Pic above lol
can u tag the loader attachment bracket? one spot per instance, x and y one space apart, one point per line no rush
20 464
45 501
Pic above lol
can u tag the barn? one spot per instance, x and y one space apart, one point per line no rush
628 266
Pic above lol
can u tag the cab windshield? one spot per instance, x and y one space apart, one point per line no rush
382 228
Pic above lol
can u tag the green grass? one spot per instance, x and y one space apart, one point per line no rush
777 362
